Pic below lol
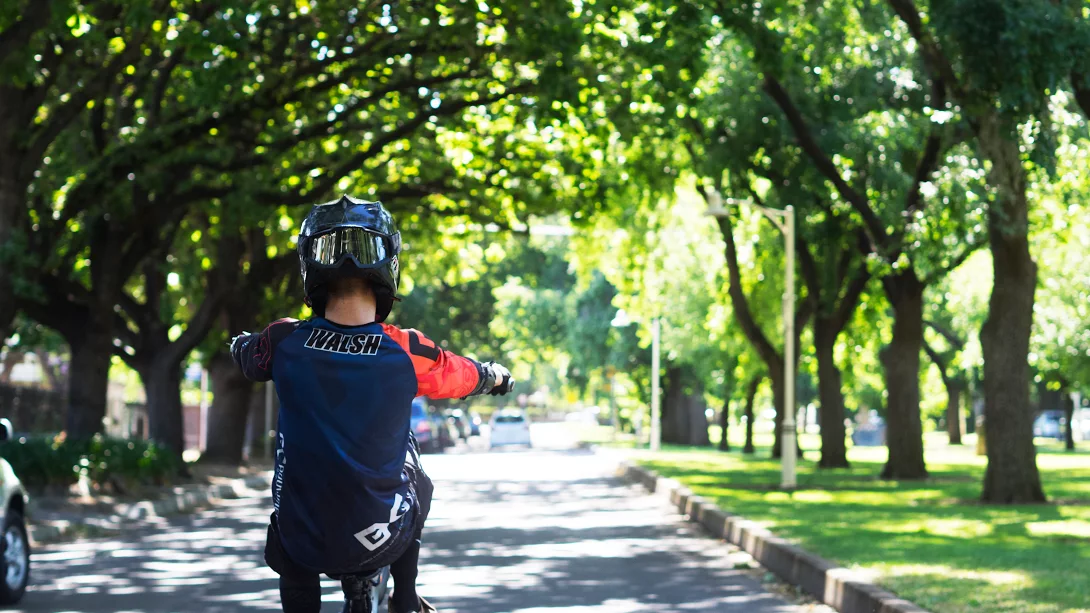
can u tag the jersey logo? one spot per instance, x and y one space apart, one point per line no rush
335 342
373 537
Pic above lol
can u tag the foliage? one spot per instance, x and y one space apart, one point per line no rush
42 461
54 461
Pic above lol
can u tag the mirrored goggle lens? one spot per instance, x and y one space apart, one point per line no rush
367 247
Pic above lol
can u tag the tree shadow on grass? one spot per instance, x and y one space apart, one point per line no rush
884 526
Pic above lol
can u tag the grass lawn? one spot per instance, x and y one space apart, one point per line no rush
931 541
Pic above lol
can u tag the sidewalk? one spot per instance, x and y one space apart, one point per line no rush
55 519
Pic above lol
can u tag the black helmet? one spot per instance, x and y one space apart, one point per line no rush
349 238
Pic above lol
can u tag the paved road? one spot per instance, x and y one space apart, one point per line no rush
527 531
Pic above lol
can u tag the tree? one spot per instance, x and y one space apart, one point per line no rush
55 59
1060 345
289 126
952 378
696 82
998 88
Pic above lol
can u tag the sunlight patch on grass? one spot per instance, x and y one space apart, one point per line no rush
929 541
955 590
938 526
1063 528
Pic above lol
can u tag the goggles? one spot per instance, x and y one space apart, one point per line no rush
367 248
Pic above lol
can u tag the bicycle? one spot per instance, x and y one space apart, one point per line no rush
365 592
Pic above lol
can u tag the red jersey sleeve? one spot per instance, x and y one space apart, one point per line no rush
439 373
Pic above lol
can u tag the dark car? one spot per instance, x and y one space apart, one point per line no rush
459 422
424 427
474 424
444 430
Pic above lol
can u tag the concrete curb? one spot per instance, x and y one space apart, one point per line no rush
179 502
833 585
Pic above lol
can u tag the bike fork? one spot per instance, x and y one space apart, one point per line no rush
357 594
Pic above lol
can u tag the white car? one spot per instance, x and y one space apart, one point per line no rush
15 561
509 427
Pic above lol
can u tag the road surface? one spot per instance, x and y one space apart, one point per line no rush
527 531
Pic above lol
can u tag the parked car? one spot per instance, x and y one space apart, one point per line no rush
15 561
474 424
423 426
459 422
509 427
447 435
1050 424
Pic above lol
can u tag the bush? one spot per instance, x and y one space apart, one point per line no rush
42 461
126 463
53 461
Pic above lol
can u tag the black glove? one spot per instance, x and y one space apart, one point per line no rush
504 383
236 344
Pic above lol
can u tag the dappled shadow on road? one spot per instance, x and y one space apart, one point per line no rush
507 536
207 562
585 545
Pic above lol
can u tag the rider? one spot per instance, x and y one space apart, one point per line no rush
349 495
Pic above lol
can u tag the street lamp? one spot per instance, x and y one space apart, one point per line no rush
621 320
785 221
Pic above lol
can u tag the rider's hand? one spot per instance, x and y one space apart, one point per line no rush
236 340
504 382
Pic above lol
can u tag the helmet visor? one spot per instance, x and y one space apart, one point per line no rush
366 247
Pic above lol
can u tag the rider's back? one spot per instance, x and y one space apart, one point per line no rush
346 395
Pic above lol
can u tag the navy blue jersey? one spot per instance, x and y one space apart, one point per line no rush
340 488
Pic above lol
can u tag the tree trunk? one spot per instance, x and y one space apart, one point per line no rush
56 383
1069 415
260 439
89 379
163 386
954 389
775 375
698 419
231 393
751 394
724 426
1011 476
12 201
831 396
12 358
901 362
683 419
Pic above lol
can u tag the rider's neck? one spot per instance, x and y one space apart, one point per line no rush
351 309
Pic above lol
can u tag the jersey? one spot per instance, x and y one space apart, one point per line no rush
340 489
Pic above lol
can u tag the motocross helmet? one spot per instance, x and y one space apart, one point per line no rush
349 238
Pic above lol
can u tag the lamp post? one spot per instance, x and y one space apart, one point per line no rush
785 221
621 320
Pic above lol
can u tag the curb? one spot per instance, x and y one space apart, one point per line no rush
180 502
833 585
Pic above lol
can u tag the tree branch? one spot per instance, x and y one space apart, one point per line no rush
936 60
1080 83
199 325
63 115
955 263
951 337
738 298
808 268
848 303
930 158
17 36
937 360
823 162
330 179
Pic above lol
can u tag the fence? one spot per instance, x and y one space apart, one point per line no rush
32 409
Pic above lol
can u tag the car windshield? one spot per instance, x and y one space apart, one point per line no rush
509 419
